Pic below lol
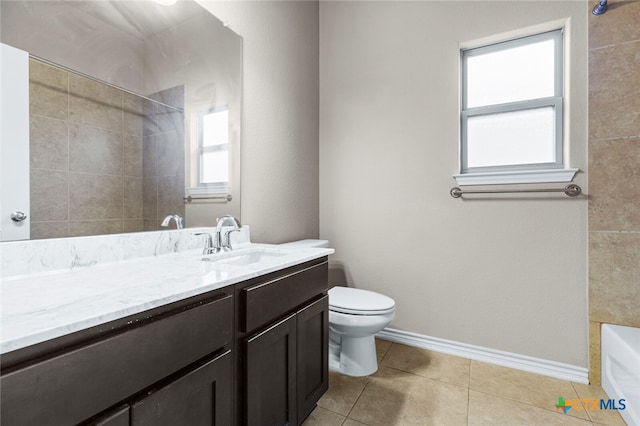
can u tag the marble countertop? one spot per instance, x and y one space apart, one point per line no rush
43 306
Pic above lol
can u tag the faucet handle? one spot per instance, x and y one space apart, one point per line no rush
209 247
227 239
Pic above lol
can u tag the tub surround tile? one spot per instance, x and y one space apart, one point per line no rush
94 227
48 143
150 196
170 196
93 197
133 198
394 397
170 154
614 184
95 104
95 150
594 353
614 91
133 115
132 225
430 364
49 199
133 156
149 156
40 230
48 91
614 275
615 27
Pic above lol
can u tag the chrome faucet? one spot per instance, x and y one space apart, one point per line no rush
209 247
224 243
178 219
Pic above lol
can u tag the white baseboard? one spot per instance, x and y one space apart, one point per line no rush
545 367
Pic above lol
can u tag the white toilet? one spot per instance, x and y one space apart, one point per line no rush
355 316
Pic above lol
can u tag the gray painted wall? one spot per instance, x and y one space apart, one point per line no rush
507 273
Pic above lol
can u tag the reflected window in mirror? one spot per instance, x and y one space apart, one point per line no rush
213 150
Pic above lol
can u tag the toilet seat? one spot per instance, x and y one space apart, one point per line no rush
355 301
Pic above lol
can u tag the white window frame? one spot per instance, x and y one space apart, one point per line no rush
516 173
208 187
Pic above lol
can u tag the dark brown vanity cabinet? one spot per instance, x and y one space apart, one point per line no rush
252 353
151 368
283 342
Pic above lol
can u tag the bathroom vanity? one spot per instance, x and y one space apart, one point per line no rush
240 338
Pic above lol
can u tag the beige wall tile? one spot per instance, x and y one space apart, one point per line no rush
49 195
41 230
133 114
521 386
621 23
48 143
152 225
95 104
95 150
393 397
94 227
149 156
170 149
614 92
48 91
614 288
431 364
93 197
132 225
614 184
490 410
133 158
170 196
594 353
133 198
150 198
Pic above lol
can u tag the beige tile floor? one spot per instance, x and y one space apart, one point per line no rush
416 386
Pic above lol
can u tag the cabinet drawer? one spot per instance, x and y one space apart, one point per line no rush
269 300
75 385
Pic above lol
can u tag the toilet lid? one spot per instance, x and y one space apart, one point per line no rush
359 302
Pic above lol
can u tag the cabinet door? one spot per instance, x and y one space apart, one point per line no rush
200 397
313 355
270 380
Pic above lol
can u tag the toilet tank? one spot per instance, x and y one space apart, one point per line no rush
307 243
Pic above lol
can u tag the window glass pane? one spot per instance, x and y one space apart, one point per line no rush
215 167
519 137
510 75
215 128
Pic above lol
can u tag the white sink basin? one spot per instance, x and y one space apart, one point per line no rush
244 257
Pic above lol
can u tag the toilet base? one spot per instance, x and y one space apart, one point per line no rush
352 356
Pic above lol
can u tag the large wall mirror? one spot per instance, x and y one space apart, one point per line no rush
134 114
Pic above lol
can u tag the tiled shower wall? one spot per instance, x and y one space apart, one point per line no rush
88 159
614 172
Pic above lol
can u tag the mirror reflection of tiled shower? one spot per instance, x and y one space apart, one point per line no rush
102 160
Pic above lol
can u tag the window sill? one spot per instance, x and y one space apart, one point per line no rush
526 176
